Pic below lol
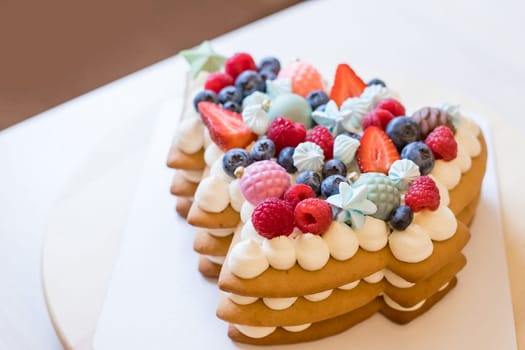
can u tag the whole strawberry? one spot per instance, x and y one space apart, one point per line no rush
442 143
273 217
285 133
422 193
321 136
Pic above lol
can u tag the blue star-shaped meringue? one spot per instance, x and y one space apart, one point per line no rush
332 118
354 204
204 58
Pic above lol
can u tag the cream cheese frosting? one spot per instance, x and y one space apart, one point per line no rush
373 236
255 331
219 232
247 209
312 252
212 153
241 299
247 259
191 175
319 296
280 252
279 303
212 194
219 260
236 198
190 137
376 277
448 174
391 303
396 280
440 224
341 240
411 245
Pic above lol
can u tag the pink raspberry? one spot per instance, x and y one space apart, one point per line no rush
285 133
377 117
313 215
297 193
324 139
217 81
273 217
422 193
393 106
262 180
442 143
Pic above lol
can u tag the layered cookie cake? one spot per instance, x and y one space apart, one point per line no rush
326 204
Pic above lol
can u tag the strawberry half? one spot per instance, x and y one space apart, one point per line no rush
226 128
346 84
377 152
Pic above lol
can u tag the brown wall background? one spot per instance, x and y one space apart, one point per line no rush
54 50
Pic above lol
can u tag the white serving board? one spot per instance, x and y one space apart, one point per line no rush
158 300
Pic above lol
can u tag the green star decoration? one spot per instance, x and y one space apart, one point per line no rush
203 58
353 203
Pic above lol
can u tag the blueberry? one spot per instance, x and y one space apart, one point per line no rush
419 153
229 93
204 95
402 131
376 82
235 158
401 217
267 75
317 98
232 106
330 185
270 64
321 108
263 150
311 179
250 81
334 167
352 135
285 159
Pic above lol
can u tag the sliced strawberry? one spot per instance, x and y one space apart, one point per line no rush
346 84
226 128
377 152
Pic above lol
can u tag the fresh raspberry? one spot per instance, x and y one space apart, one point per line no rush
239 63
285 133
217 81
422 193
297 193
324 139
377 117
442 143
273 217
313 215
305 78
393 106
